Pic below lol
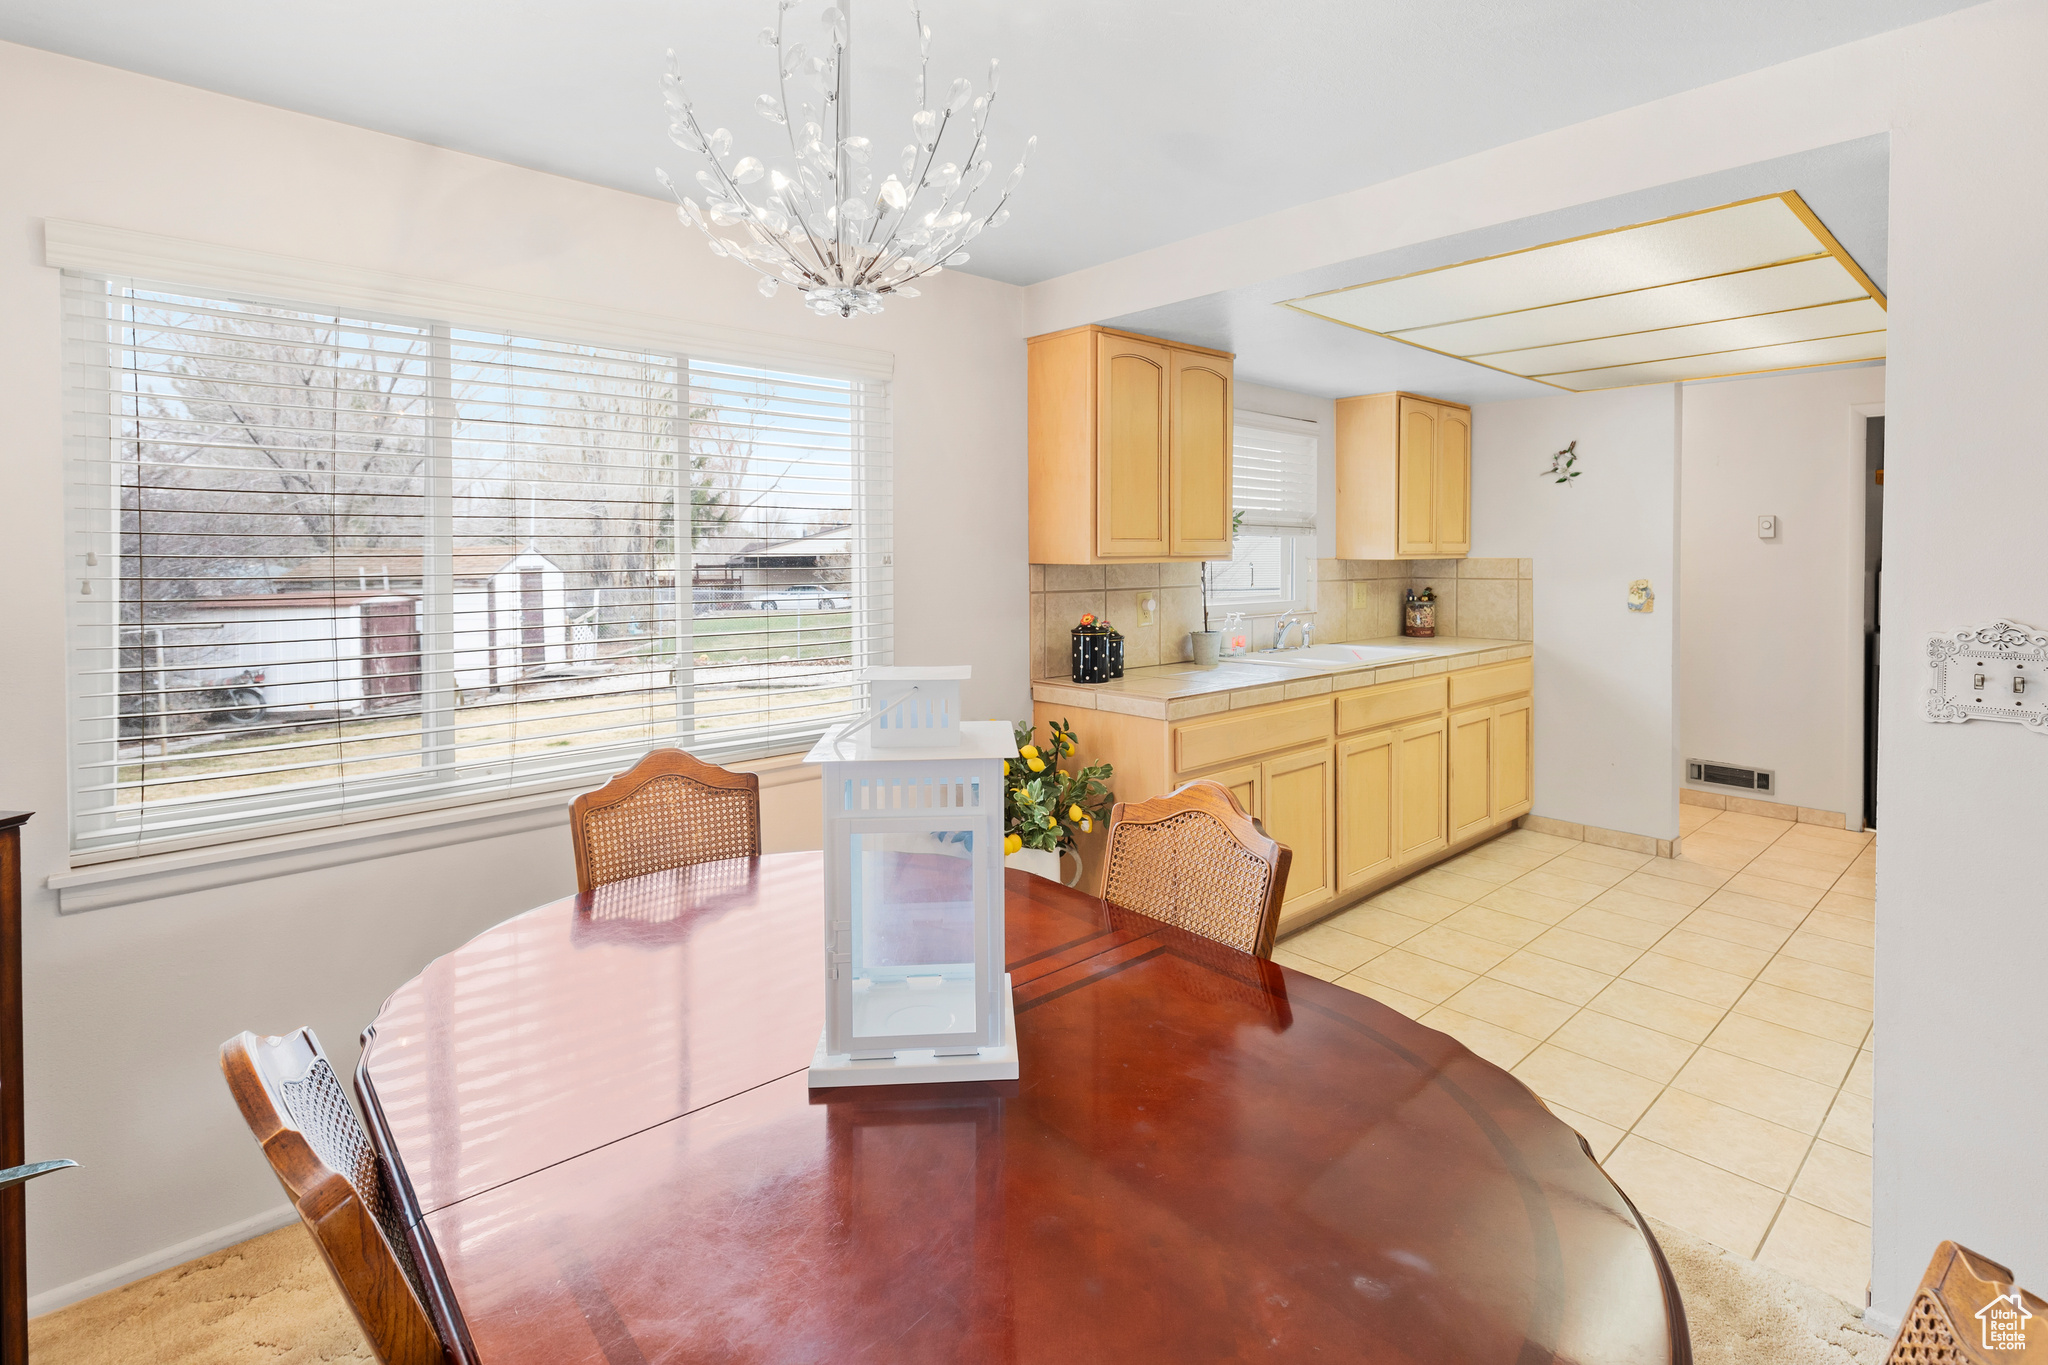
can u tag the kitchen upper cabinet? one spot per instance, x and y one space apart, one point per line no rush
1404 478
1130 449
1198 458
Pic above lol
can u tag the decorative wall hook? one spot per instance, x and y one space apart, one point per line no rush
1564 465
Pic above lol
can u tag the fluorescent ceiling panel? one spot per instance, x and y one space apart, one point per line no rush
1682 292
1770 290
1792 356
1702 338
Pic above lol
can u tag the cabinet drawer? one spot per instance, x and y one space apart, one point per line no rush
1202 743
1474 685
1389 704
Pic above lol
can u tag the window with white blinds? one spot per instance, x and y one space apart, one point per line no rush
330 567
1273 489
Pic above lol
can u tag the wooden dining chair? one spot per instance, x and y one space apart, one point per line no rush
1194 859
297 1108
668 810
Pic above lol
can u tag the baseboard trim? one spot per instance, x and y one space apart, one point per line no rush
1770 810
1594 834
1878 1322
64 1295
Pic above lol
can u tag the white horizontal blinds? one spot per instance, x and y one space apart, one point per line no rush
791 515
1273 489
1273 476
331 567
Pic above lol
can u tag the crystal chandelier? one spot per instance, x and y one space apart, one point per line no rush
817 218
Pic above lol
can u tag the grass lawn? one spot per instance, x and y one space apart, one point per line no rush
626 706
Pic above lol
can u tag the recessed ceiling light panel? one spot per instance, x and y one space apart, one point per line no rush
1676 293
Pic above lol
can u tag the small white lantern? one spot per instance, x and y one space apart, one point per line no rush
914 983
916 707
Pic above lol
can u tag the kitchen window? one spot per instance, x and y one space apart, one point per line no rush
1273 490
333 564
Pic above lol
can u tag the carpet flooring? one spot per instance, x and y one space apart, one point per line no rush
268 1301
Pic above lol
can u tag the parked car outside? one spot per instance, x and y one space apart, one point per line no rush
803 597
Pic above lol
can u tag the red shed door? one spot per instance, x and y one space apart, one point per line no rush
391 649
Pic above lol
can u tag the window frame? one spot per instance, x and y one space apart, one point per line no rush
1296 534
95 839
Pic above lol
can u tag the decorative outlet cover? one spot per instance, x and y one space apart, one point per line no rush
1996 672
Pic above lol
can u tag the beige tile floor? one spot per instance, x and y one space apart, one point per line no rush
1703 1020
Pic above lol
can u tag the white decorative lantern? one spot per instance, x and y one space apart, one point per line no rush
916 707
914 983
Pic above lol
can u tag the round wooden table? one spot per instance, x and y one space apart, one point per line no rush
601 1113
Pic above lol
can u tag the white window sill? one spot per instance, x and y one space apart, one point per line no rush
155 875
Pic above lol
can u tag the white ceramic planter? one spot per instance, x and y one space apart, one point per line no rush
1041 862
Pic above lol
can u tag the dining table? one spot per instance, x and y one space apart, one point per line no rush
605 1150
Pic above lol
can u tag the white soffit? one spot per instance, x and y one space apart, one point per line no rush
1757 285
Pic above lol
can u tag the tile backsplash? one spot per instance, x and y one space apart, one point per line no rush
1476 598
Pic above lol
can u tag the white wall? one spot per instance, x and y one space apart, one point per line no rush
1962 918
1771 650
127 1006
1605 675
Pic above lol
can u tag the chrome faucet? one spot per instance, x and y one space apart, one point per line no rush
1280 630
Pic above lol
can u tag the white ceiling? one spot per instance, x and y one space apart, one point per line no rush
1724 291
1157 119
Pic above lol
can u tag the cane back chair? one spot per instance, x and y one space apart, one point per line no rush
298 1110
1969 1312
1194 859
668 810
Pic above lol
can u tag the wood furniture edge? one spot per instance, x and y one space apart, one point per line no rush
13 1127
1060 441
1096 329
441 1305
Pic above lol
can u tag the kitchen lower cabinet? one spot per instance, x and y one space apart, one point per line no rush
1365 785
1242 783
1420 758
1298 800
1471 771
1390 801
1368 810
1514 773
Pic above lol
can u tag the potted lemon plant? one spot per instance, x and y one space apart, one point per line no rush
1046 806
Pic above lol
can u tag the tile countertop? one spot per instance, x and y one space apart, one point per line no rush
1178 691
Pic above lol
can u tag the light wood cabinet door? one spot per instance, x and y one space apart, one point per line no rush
1514 744
1415 479
1453 482
1199 449
1299 794
1133 402
1368 809
1421 827
1471 771
1242 783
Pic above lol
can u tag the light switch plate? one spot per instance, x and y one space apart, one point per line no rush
1767 528
1361 592
1996 672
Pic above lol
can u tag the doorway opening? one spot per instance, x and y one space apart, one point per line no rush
1873 603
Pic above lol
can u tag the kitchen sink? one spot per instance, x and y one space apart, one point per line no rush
1331 657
